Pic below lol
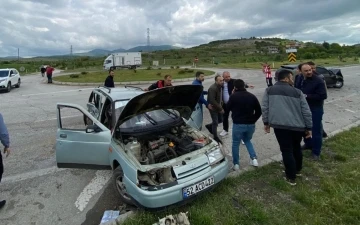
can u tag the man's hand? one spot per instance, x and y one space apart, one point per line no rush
233 91
308 134
222 111
145 89
210 107
267 129
7 151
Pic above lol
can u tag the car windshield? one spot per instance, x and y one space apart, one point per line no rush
151 118
4 73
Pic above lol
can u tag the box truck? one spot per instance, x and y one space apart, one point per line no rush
129 60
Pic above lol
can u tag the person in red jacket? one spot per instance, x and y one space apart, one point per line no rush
49 71
267 72
161 83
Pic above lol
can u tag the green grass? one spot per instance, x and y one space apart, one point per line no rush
130 75
328 193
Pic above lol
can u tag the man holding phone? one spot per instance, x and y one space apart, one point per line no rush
285 109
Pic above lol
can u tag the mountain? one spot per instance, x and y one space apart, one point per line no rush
103 52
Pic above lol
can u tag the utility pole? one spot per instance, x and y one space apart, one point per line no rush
18 54
148 44
71 56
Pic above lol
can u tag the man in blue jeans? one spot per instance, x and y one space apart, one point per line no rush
245 111
5 141
315 92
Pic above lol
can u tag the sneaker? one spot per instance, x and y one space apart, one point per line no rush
236 167
242 142
2 203
254 162
315 157
298 174
290 181
325 135
223 133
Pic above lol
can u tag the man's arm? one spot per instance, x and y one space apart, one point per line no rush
4 135
265 108
212 100
305 110
152 87
202 100
320 92
257 109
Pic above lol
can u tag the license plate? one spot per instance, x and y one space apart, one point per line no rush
200 186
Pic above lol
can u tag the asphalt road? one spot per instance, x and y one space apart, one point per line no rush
39 193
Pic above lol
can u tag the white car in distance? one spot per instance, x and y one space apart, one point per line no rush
9 78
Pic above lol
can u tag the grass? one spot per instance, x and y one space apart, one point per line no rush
328 193
130 75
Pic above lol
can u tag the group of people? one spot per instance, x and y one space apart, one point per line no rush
49 71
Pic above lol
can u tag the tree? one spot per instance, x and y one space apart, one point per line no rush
326 45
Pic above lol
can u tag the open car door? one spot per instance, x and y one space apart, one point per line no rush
78 145
196 118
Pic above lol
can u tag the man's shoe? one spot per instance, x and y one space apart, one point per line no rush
254 162
290 181
315 157
325 134
236 167
209 128
2 203
242 142
298 174
223 133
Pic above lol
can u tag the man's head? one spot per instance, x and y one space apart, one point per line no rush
306 70
239 84
167 80
219 80
226 76
200 76
111 73
286 76
312 65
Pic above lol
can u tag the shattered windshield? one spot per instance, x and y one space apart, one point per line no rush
151 118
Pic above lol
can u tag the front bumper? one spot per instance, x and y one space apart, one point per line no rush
3 85
173 195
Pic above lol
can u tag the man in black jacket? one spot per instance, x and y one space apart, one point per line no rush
109 82
227 91
245 111
160 83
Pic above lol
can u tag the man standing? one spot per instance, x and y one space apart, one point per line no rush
314 89
109 81
199 78
161 83
245 111
49 71
285 109
227 91
267 72
313 68
43 70
216 113
5 141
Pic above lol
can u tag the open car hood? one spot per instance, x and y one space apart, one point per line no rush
182 98
336 71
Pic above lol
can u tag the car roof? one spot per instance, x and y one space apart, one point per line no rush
7 69
119 93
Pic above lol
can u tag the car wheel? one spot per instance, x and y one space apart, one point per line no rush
339 84
8 88
18 84
118 176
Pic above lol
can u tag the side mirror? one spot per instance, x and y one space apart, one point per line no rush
93 128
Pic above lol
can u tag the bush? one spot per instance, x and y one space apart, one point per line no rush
171 67
177 67
158 74
74 75
181 72
84 72
149 68
134 70
159 68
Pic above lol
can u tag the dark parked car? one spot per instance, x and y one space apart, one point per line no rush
333 76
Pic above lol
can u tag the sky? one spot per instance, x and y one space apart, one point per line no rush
44 27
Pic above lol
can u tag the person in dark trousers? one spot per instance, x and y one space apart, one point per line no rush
215 99
109 81
245 111
313 67
285 109
315 92
199 78
161 83
43 70
49 72
267 72
5 141
228 88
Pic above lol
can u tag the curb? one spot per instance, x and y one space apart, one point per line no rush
125 83
275 158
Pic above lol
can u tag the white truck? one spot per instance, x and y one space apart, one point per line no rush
129 60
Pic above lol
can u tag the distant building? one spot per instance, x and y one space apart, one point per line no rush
272 49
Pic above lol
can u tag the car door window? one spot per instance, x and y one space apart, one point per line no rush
72 119
322 71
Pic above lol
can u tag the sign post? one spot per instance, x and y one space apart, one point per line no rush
292 55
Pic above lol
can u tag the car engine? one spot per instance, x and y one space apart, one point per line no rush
163 146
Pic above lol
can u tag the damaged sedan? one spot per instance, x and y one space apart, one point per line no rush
158 159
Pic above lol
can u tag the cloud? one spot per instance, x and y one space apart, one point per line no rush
41 27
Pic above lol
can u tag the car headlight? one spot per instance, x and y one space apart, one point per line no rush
215 156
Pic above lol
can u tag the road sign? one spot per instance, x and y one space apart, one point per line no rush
22 69
289 50
292 57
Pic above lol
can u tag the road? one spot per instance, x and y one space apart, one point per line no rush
39 193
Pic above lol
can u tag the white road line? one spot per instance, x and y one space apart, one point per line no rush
31 175
350 110
55 92
95 185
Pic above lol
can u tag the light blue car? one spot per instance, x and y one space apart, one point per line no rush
157 158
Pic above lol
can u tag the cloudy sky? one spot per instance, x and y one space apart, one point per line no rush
46 27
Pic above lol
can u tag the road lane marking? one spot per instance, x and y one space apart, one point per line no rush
31 175
96 184
55 92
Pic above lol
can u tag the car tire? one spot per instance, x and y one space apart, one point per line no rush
339 84
18 84
118 175
8 87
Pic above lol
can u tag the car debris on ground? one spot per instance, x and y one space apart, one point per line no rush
179 219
